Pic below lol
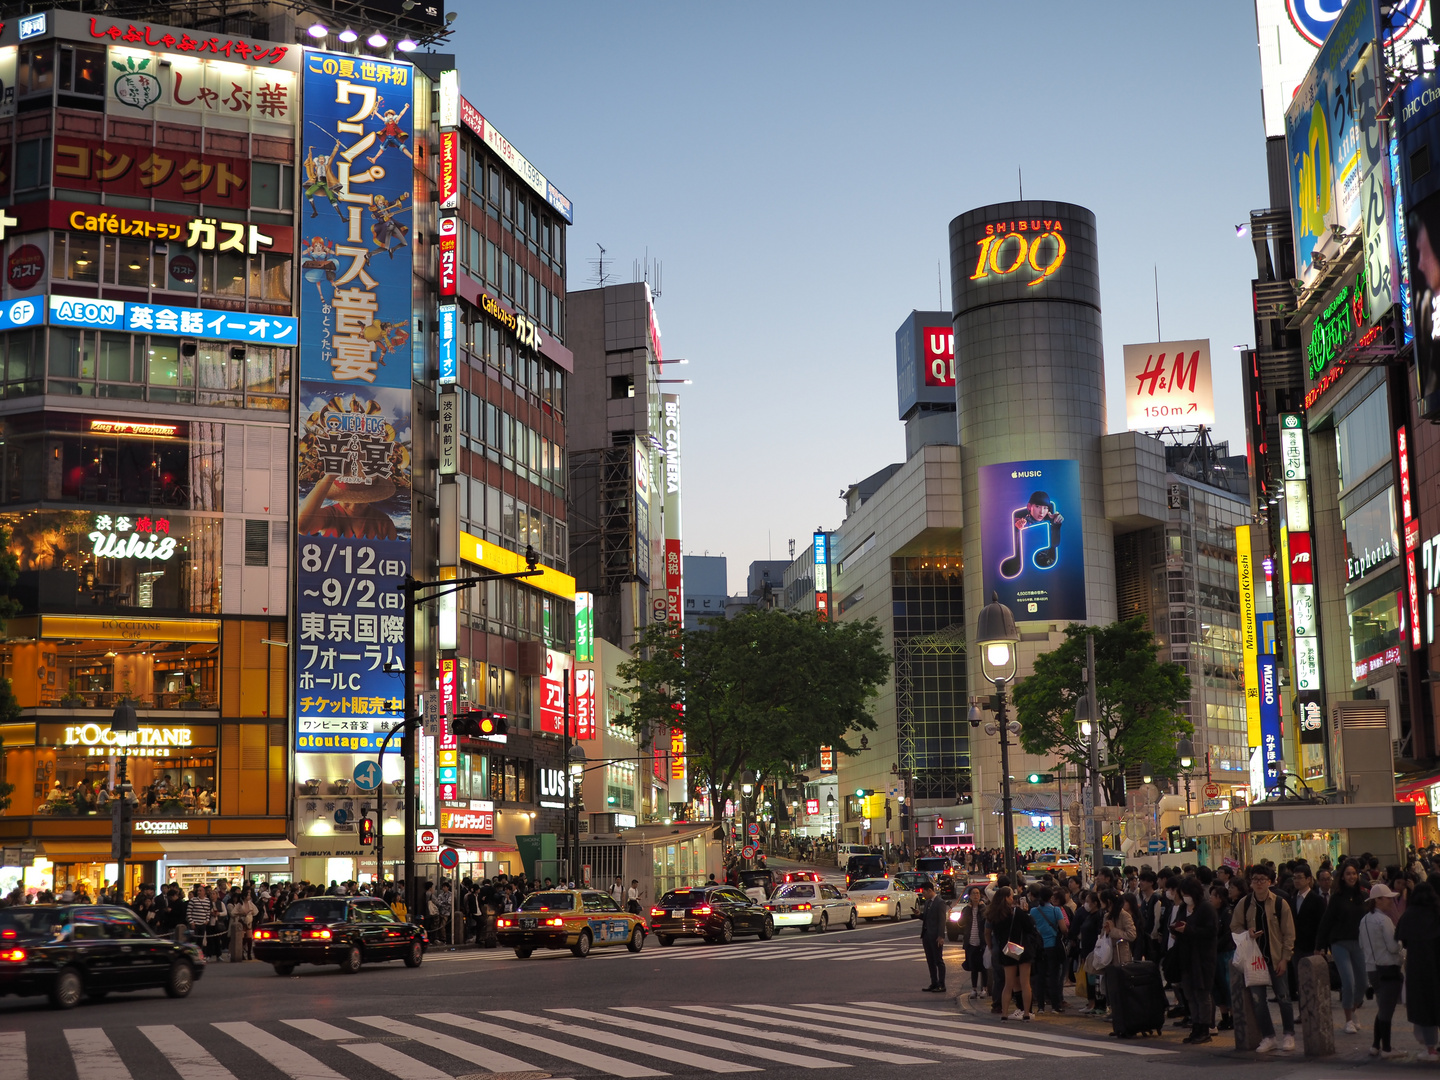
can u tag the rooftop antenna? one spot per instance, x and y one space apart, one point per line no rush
1020 175
939 284
1158 336
649 271
792 549
600 278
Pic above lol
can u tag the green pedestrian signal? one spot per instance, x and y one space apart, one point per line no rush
1041 778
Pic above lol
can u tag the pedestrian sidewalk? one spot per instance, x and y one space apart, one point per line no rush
1348 1048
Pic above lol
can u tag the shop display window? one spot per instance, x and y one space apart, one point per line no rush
98 562
1374 610
86 674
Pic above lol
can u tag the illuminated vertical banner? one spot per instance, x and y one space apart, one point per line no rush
353 457
1271 745
584 703
585 627
673 569
1412 538
447 764
1249 633
822 576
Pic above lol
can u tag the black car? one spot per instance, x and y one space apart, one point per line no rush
860 867
713 912
344 930
70 951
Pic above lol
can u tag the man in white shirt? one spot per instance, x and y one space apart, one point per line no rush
617 891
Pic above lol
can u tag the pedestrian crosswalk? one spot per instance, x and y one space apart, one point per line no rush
689 950
627 1041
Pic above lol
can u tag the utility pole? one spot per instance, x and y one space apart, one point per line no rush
1097 846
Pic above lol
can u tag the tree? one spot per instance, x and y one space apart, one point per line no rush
762 691
1138 698
9 707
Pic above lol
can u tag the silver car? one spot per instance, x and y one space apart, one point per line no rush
809 904
882 898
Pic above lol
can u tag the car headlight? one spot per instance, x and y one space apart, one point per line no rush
954 916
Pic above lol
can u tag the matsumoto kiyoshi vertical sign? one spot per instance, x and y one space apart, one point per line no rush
1249 632
354 465
1271 748
1031 556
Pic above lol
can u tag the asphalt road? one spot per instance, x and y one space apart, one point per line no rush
792 1007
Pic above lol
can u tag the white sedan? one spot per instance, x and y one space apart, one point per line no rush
809 904
881 898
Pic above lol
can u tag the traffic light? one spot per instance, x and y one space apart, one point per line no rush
860 793
120 828
480 723
1041 778
367 831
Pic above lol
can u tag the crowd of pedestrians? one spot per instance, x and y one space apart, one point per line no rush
1025 946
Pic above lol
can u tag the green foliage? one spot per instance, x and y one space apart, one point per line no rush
1138 697
762 691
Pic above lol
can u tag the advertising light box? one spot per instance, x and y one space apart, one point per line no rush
1032 558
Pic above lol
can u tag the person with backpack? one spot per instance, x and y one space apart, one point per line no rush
1048 912
1270 922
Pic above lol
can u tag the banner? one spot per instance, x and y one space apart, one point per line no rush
354 464
1249 633
1030 557
1168 384
1272 750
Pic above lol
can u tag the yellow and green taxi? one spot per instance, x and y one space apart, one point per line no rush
574 919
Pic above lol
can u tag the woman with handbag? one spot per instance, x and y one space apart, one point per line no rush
1383 960
1340 933
1021 944
1091 919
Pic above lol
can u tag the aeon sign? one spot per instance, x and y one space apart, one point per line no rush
1033 248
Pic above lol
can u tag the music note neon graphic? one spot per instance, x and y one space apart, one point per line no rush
1038 511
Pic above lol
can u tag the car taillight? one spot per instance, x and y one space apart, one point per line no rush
705 910
8 935
554 922
804 907
14 956
504 922
657 911
261 935
325 934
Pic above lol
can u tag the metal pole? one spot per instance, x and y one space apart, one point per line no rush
123 790
565 780
407 749
1097 846
1011 866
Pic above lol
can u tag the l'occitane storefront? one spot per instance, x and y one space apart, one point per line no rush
207 765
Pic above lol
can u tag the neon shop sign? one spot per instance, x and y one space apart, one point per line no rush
148 538
1033 248
1334 329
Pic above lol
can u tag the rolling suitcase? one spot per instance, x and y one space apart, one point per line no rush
1136 995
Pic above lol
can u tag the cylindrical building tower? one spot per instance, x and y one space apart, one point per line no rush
1030 390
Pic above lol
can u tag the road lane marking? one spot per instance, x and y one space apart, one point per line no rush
664 1053
394 1062
186 1056
803 1061
489 1060
290 1060
95 1054
854 1036
321 1030
1030 1033
787 1038
827 1014
603 1062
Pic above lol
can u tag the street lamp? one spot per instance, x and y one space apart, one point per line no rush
998 640
1145 774
1186 750
830 799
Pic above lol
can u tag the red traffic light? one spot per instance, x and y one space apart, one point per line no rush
480 723
367 831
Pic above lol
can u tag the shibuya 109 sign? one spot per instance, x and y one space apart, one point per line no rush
1029 250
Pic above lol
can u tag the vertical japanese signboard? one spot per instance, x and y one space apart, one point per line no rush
674 565
1271 746
354 453
822 576
1249 633
1412 538
447 763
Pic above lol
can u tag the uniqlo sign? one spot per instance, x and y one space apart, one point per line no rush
939 346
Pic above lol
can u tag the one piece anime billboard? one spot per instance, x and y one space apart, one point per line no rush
354 466
1031 548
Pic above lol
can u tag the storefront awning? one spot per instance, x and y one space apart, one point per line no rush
98 851
490 848
177 850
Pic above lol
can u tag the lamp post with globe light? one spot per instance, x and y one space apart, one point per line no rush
998 641
1186 751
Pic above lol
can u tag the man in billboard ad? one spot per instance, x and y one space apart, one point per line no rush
1424 236
1032 557
353 465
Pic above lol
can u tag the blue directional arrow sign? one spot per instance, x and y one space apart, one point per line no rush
367 776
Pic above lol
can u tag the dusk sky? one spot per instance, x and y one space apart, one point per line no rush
794 167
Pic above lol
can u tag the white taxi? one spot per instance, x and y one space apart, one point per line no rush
882 898
808 904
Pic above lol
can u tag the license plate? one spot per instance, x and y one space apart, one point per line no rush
292 935
527 924
677 914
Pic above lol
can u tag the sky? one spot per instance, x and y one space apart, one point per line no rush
794 168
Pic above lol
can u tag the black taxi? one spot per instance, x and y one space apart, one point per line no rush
70 951
574 919
344 930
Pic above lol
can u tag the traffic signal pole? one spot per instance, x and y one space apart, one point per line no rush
412 588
